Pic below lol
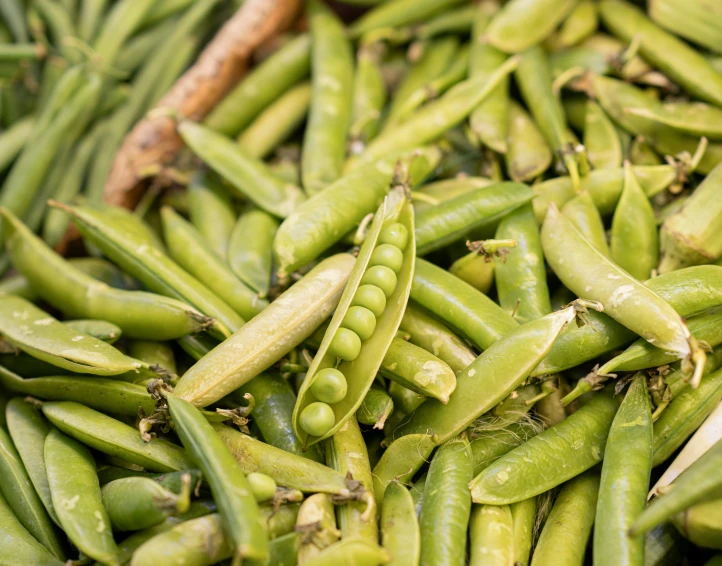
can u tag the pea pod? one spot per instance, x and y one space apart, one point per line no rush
435 118
380 313
100 329
457 218
358 550
528 154
446 189
369 97
13 139
601 140
563 540
76 497
43 337
18 545
273 413
317 226
317 518
400 462
487 446
135 253
684 415
188 248
115 438
228 484
269 336
405 400
520 275
672 56
460 305
466 405
691 236
454 20
702 524
248 176
329 117
399 528
430 334
594 277
693 118
250 249
628 455
264 84
376 407
19 493
446 508
604 185
211 211
153 352
201 541
581 212
523 514
346 452
398 13
583 435
139 503
698 483
520 24
491 535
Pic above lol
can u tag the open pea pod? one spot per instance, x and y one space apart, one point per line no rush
393 227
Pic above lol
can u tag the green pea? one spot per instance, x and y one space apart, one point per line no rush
262 486
330 385
389 256
346 345
382 277
396 235
317 419
361 320
370 297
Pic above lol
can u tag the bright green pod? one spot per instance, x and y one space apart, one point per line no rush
459 217
19 492
446 189
153 353
490 120
521 281
491 533
121 21
521 24
264 84
702 524
346 452
692 235
604 185
512 478
581 23
317 514
135 253
115 438
634 242
397 13
476 267
361 370
72 478
28 430
628 455
40 335
100 329
357 550
269 336
236 503
684 415
400 534
466 405
694 118
446 508
277 122
211 211
369 97
642 153
400 462
287 469
435 118
454 21
563 540
139 503
329 118
488 445
528 154
249 177
699 482
670 55
250 249
601 140
318 225
13 139
585 216
188 248
18 545
523 514
432 335
375 408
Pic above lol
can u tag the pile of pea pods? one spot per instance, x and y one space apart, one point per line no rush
438 283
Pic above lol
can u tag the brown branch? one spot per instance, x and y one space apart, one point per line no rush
153 143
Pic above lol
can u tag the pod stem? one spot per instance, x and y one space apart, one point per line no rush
698 358
491 248
547 388
594 381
